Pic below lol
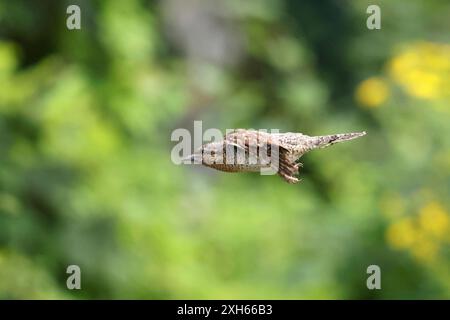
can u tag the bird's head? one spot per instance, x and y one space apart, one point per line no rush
208 154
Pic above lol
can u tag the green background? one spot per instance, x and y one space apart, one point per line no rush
86 176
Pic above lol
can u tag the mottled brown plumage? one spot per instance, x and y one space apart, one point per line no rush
249 150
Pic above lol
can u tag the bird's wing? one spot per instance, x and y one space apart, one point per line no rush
258 144
252 142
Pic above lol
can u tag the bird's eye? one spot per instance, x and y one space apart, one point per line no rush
213 153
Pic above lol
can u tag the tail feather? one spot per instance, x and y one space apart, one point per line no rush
328 140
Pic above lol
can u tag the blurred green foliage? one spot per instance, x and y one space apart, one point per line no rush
86 176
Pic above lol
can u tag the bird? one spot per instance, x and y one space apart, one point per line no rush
244 150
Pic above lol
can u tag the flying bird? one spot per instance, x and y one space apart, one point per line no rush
249 150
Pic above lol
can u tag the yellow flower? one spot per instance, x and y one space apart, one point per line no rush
423 84
372 92
423 70
422 235
434 220
401 234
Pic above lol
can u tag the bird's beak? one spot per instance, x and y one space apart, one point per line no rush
192 158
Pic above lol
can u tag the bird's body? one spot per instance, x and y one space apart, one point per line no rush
249 151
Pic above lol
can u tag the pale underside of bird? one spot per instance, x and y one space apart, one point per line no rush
249 150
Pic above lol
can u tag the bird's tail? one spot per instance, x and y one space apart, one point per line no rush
325 141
